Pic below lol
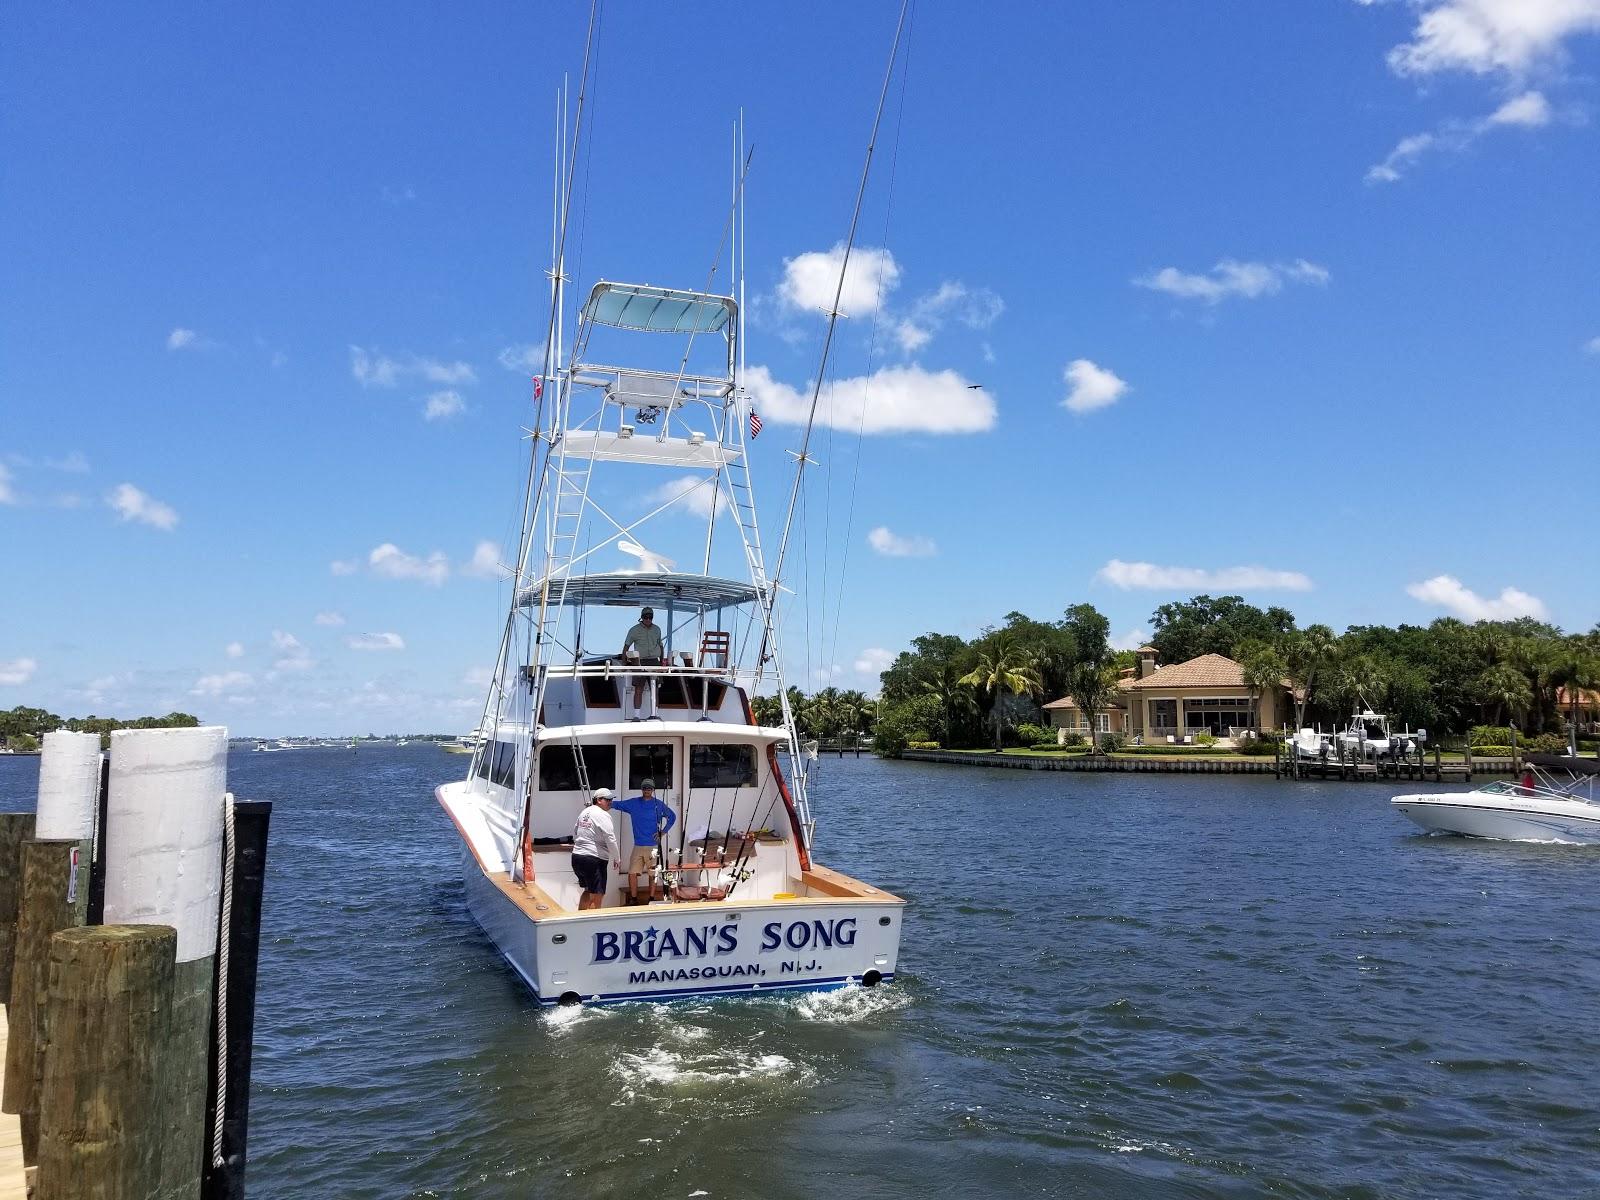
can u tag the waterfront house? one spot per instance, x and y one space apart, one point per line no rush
1207 694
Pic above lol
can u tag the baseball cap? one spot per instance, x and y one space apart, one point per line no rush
604 794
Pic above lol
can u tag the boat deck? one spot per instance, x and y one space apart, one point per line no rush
820 882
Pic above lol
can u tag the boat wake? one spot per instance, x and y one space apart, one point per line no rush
849 1005
696 1070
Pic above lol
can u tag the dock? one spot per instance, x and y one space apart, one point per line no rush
1348 769
13 1180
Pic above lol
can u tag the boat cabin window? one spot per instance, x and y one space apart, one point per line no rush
722 765
599 692
679 692
650 760
498 763
558 769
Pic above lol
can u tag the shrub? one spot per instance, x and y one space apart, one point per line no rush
922 745
1112 742
1489 735
1033 735
1546 743
1205 739
1073 740
1491 752
1050 745
1255 745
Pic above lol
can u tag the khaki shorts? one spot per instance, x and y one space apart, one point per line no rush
643 859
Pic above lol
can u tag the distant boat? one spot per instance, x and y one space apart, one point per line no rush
1543 807
403 742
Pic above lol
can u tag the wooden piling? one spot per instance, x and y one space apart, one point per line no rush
15 829
105 1092
55 896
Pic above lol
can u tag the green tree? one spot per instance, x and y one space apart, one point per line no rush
1200 625
1308 654
1004 668
1264 670
1093 687
1505 690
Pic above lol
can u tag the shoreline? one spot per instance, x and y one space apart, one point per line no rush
1156 763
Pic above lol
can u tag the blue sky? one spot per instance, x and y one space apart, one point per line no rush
1304 309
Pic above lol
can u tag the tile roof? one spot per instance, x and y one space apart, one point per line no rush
1123 684
1209 670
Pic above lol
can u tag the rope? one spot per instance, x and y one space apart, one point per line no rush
224 937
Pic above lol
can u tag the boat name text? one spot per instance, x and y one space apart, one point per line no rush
652 945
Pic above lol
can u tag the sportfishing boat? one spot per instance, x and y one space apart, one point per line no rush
640 436
1553 802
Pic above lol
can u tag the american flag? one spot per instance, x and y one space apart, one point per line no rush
755 424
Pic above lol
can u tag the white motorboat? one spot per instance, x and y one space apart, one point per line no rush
1553 802
734 901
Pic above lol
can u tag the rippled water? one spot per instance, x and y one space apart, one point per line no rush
1215 986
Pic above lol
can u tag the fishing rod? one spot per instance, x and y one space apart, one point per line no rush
748 841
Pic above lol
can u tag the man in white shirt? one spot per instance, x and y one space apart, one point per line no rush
594 843
645 641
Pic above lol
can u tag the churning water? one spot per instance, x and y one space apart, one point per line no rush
1110 985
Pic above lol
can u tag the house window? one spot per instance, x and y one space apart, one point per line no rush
1163 714
1104 720
1217 714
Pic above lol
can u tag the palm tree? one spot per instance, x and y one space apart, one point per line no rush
1093 684
1577 668
1004 668
1308 655
1506 688
1263 668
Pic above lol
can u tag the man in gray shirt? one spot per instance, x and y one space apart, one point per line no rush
645 640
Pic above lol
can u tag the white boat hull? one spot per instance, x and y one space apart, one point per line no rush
670 951
1507 818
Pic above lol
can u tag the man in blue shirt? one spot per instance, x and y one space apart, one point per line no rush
651 818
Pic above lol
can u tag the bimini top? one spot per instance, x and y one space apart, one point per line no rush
668 589
658 310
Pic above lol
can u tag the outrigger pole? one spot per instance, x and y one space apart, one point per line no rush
771 598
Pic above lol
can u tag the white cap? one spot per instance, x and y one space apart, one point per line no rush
603 794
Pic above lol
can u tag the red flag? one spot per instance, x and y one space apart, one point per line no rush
755 424
538 387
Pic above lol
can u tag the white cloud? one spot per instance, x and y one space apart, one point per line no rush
1449 593
894 545
374 369
397 196
217 685
1486 37
1592 346
345 566
1090 386
182 339
1127 575
874 660
952 300
1131 640
74 463
329 618
694 494
17 670
234 650
293 655
133 505
375 641
905 399
485 562
1527 111
525 358
811 279
8 494
478 677
1407 150
392 562
1230 277
1530 109
441 405
911 336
